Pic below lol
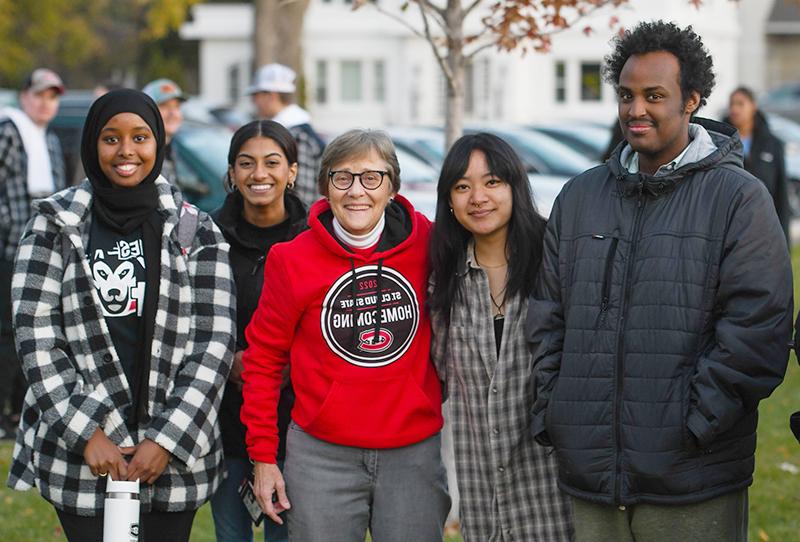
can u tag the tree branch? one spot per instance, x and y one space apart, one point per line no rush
472 6
448 73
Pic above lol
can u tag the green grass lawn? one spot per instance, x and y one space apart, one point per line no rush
774 496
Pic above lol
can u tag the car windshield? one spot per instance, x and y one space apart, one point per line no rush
557 157
208 144
414 171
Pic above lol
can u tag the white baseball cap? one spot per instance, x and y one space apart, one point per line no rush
273 78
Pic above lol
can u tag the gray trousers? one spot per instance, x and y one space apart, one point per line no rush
338 492
721 519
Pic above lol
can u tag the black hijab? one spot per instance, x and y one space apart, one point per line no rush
126 209
122 209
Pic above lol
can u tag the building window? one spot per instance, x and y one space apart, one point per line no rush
321 89
380 81
234 86
561 82
351 81
591 83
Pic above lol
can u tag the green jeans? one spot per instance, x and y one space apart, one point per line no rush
722 519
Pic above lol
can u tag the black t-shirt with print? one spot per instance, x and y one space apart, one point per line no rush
118 270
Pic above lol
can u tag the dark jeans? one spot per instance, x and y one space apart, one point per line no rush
153 527
12 382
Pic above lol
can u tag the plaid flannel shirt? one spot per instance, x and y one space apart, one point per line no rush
309 159
15 203
507 483
76 382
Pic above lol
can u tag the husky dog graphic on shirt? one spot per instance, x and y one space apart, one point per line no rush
118 274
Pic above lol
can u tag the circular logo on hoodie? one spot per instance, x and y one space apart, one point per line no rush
370 319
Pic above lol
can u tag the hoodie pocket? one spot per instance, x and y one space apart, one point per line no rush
368 413
608 276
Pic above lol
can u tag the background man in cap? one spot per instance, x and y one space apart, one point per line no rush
168 96
273 93
31 167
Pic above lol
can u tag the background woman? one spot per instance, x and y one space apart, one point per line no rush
258 212
763 152
485 251
125 332
345 303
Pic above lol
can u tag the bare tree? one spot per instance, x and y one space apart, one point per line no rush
278 32
504 24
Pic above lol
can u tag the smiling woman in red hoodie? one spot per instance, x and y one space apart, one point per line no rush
344 302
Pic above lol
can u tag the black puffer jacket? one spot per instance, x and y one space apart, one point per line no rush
766 163
661 318
247 258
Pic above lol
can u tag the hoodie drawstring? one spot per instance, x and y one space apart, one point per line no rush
378 322
354 329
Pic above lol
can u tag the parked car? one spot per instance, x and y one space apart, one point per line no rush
590 140
540 153
426 144
788 131
783 100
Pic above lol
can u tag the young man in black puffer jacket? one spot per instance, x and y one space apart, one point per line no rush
663 311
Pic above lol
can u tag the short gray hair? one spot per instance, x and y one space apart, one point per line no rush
354 143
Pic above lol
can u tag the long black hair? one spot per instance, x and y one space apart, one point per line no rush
449 240
260 128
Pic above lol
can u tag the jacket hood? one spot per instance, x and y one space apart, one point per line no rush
229 214
402 229
729 151
72 207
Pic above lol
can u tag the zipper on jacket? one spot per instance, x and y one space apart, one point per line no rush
259 264
605 296
621 342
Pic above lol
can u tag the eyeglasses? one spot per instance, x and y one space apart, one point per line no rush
343 180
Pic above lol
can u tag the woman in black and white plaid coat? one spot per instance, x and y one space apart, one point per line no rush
125 326
485 250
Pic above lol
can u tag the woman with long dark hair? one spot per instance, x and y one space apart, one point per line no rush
485 251
124 319
763 152
259 211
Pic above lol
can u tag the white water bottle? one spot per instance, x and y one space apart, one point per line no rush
121 514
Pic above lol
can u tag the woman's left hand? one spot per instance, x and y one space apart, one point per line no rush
148 462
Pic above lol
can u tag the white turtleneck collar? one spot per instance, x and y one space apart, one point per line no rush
366 240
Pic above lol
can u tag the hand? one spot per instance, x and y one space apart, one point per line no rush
104 457
268 480
149 461
235 375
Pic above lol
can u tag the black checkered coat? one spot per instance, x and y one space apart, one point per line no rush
76 381
15 204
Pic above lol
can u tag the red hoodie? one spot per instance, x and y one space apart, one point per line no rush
319 310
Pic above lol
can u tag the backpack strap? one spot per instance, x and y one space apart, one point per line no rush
187 226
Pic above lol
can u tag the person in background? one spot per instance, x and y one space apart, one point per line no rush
763 152
259 211
31 167
124 321
486 247
169 97
273 94
662 313
345 302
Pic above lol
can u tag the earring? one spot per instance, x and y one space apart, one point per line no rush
451 210
290 186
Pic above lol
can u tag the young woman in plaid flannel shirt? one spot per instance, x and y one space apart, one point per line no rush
485 251
125 332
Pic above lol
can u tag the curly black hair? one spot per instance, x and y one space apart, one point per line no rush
696 66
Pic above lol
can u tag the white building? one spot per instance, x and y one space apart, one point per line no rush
365 69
